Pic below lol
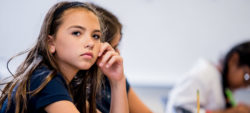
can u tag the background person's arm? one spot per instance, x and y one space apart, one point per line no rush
135 104
241 108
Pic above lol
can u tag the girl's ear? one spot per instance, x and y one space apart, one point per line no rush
51 44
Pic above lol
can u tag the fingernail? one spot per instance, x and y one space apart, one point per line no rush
107 66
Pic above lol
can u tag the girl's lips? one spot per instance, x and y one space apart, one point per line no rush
88 55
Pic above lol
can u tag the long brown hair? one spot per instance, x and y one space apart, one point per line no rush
88 81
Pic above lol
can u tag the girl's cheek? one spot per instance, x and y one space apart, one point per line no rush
99 46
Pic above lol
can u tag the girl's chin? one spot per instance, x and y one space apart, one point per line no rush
85 67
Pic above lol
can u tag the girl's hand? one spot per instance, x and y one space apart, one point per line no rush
110 63
241 108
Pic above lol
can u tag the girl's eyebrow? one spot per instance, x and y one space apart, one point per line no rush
97 30
77 26
83 28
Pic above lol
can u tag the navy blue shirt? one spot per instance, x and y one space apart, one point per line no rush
55 90
103 103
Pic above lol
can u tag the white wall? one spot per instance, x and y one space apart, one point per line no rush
162 38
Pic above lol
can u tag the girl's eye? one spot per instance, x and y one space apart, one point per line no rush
96 36
76 33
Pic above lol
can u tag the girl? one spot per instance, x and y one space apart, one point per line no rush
113 37
213 82
69 46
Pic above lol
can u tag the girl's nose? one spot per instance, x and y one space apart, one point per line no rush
89 43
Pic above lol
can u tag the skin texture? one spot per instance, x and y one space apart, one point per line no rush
78 34
241 108
236 73
75 38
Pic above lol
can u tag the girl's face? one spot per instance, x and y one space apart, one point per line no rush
237 74
237 77
77 41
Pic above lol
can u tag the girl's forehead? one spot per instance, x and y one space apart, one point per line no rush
78 10
80 16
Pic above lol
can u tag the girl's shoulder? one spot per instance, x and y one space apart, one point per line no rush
54 90
43 73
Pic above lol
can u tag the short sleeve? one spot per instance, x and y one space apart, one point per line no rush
127 86
55 90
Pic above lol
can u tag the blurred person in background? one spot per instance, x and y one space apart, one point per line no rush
215 83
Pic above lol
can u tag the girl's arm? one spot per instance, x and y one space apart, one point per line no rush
119 102
111 64
64 107
241 108
61 107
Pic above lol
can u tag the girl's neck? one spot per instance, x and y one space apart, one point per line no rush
68 72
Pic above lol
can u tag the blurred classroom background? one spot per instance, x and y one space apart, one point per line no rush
162 39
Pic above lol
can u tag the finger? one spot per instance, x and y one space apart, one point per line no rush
243 108
99 61
114 59
106 57
105 47
102 48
